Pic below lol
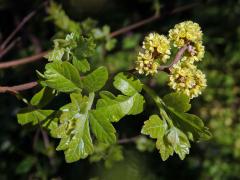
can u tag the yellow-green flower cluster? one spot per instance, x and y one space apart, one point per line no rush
158 44
156 50
188 33
146 64
184 32
186 78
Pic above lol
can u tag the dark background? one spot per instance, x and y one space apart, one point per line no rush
218 106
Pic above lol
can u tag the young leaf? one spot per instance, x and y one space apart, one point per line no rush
190 124
102 127
81 65
168 140
60 19
62 76
179 101
42 98
115 108
74 128
154 127
34 117
179 142
95 80
128 86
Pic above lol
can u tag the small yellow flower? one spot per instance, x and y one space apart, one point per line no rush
159 45
186 78
194 53
184 32
146 64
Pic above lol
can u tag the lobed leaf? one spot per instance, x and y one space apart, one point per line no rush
95 80
62 76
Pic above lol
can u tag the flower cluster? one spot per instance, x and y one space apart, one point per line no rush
184 76
187 79
188 33
156 50
146 64
184 32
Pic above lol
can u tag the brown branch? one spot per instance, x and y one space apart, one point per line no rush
151 19
20 26
134 26
21 61
113 34
128 140
16 89
8 48
176 59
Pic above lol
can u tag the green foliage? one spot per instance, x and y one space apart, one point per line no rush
110 154
82 67
65 73
61 20
96 80
175 128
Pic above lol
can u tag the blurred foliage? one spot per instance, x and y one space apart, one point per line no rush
24 154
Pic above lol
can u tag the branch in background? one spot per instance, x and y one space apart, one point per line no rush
9 47
151 19
128 140
19 27
26 60
113 34
16 89
22 87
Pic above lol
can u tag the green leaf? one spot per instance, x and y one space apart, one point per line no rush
33 116
131 41
62 76
109 153
110 44
74 128
154 127
128 86
179 101
81 65
42 98
26 164
102 127
144 144
114 154
95 80
179 142
191 124
86 47
164 148
115 108
168 139
56 54
61 20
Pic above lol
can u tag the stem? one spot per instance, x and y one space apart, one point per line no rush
17 88
158 101
151 19
128 140
26 60
90 100
177 58
20 26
